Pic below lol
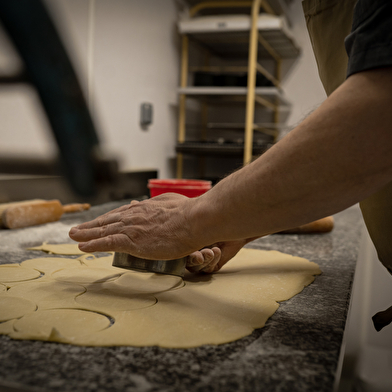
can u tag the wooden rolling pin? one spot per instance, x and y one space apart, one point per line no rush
323 225
33 213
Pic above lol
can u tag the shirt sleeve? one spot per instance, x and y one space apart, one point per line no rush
369 45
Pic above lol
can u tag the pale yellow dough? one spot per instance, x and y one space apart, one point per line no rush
15 273
59 249
86 301
14 307
44 323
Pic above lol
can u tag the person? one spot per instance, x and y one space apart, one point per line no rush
339 155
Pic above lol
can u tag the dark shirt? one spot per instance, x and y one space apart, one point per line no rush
369 45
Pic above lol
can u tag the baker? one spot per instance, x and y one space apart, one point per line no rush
339 155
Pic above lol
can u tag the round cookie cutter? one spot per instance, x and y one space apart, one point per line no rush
167 267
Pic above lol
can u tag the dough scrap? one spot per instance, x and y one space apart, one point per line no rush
143 309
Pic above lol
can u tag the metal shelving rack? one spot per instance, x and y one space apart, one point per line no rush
275 43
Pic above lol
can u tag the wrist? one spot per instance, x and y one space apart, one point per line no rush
203 219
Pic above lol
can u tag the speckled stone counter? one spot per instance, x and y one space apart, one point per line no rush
297 350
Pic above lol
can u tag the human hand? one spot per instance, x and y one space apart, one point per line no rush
213 258
158 229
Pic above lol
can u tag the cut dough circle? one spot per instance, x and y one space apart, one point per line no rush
15 273
85 275
114 298
13 307
48 293
145 282
69 323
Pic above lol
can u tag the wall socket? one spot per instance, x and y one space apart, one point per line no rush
146 113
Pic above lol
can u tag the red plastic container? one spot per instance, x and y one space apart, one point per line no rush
189 188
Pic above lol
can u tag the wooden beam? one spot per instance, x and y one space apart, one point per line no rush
270 77
229 4
264 102
250 99
218 4
182 101
268 48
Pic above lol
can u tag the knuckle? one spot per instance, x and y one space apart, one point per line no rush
110 242
102 231
194 259
100 221
105 231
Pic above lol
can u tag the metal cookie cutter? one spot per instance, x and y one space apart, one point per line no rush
168 267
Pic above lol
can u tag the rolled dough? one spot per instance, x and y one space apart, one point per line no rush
14 307
59 249
55 322
86 301
15 273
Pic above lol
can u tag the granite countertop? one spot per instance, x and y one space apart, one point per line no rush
297 350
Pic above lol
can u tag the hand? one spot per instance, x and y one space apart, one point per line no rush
156 229
213 258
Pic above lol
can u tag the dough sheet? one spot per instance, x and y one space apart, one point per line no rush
87 301
59 249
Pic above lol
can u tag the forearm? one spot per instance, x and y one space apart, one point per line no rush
338 156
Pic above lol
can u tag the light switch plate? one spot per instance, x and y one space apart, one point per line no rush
146 114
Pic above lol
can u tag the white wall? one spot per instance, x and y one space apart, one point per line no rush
129 51
137 60
302 84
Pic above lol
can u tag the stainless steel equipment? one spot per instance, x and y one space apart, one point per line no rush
168 267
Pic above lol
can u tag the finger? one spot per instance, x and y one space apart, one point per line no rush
210 258
105 219
220 264
111 243
200 258
194 270
96 232
194 259
208 269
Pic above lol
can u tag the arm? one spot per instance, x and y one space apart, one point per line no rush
338 156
